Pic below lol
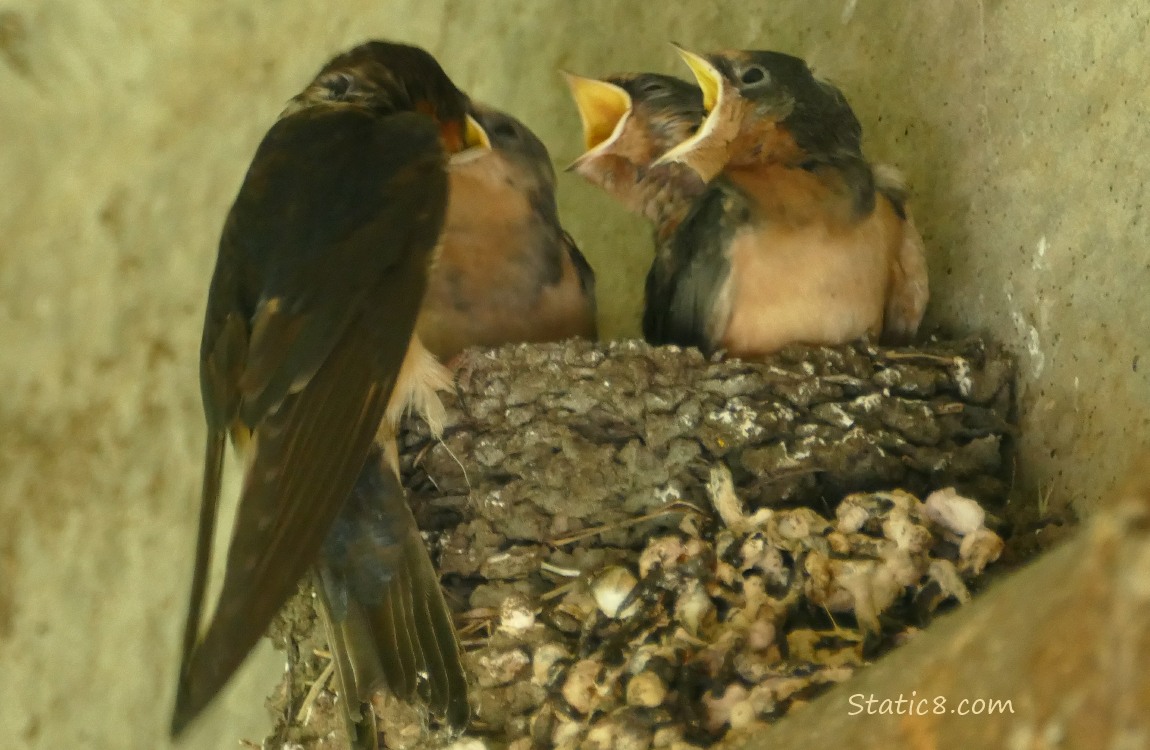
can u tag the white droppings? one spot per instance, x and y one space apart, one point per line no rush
546 657
870 401
500 667
660 553
738 415
693 606
611 588
582 688
962 376
1033 343
848 11
1034 347
668 494
838 415
953 512
800 455
1039 260
949 581
852 514
721 490
979 549
516 616
646 689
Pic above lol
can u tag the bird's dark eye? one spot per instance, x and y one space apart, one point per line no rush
652 87
754 74
339 85
504 130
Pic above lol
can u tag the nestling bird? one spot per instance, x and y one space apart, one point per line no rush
308 361
795 239
506 272
629 121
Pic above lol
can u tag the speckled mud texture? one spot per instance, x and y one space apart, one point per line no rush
646 548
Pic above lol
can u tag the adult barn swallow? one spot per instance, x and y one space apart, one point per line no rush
308 359
794 239
506 272
629 121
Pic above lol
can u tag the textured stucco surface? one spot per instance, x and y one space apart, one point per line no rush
126 127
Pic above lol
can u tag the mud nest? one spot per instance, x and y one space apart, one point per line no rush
645 548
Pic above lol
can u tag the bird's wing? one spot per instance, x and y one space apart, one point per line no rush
909 282
327 245
685 286
585 272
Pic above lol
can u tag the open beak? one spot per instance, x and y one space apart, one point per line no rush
708 76
710 82
602 108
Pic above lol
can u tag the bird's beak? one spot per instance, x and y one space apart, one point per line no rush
474 136
602 108
475 143
708 76
711 84
466 137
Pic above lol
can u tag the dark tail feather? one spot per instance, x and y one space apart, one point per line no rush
388 622
209 506
362 731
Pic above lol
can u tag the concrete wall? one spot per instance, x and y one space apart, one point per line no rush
126 126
